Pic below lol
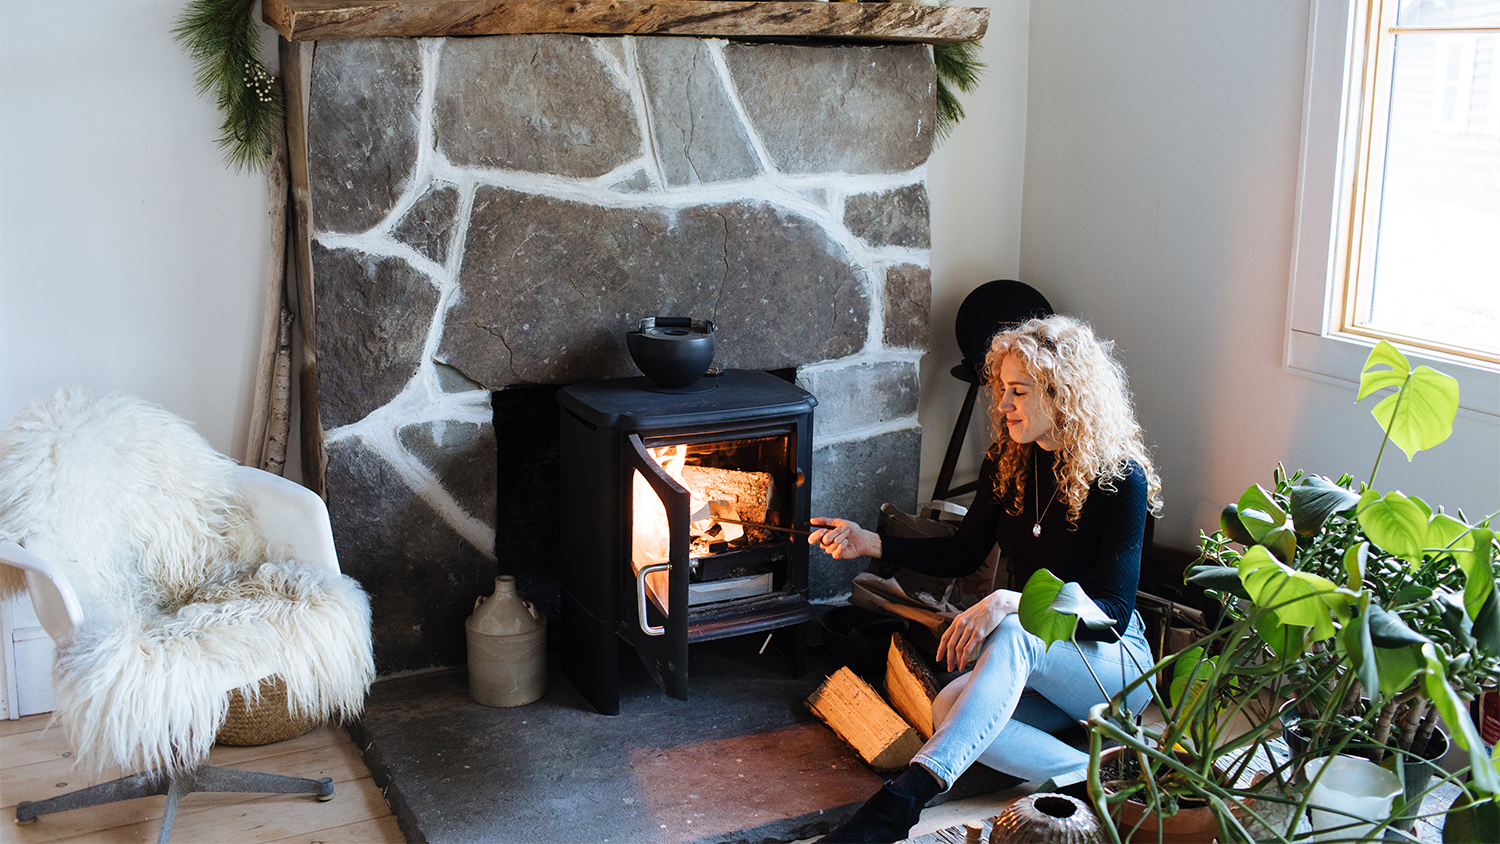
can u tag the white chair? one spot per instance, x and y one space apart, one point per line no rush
210 578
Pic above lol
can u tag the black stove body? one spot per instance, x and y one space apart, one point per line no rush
615 437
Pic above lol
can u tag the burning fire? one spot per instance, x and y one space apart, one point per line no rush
714 494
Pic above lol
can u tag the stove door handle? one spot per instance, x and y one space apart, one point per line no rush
640 598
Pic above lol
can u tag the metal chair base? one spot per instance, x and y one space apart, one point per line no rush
202 778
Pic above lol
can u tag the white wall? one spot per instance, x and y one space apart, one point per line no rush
974 184
1161 164
131 258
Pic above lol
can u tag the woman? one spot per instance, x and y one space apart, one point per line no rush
1065 487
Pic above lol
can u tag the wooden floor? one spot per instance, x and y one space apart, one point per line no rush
36 763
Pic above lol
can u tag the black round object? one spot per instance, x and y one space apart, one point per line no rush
674 352
990 307
859 638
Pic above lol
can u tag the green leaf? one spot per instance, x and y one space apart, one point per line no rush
1229 522
1036 612
1486 629
1420 414
1315 499
1372 380
1183 670
1259 513
1444 534
1360 647
1282 542
1285 640
1355 561
1455 712
1455 619
1387 630
1217 578
1072 600
1298 598
1475 560
1411 593
1397 667
1472 821
1394 523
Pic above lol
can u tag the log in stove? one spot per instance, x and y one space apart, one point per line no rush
657 488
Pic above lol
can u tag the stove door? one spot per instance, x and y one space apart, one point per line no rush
655 600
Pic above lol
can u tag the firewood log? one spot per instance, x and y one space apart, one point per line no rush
859 716
910 685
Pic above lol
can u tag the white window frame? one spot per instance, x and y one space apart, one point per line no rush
1330 134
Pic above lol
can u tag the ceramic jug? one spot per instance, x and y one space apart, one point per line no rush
507 648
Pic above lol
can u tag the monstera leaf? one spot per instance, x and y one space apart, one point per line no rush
1052 610
1298 598
1420 413
1394 522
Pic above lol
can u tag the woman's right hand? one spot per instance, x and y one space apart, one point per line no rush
842 539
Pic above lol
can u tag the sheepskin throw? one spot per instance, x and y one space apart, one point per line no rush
183 600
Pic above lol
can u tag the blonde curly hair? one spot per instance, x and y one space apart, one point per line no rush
1093 421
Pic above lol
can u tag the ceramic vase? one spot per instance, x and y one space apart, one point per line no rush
507 641
1046 819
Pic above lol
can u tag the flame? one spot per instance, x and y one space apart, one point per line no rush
650 532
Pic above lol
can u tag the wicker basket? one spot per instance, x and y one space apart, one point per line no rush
269 720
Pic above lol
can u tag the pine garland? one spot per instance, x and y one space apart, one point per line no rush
223 40
958 66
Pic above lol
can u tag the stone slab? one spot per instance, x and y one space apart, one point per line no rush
428 224
532 103
897 217
851 480
422 577
838 109
741 761
550 287
861 395
362 129
373 316
697 132
462 456
908 307
742 753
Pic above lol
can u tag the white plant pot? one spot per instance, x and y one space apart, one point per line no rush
1354 786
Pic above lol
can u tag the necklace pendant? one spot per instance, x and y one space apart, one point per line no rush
1036 529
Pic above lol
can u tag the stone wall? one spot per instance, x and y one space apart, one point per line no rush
495 213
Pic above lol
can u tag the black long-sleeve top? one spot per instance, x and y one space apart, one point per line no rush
1102 552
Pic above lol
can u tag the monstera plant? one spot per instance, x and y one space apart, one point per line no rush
1365 615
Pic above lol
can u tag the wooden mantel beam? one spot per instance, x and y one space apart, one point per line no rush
314 20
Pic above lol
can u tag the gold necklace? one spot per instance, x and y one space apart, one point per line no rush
1036 487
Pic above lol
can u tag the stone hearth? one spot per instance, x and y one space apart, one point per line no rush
493 214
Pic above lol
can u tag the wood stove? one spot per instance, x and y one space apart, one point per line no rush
654 485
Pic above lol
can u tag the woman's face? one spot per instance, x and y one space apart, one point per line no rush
1028 413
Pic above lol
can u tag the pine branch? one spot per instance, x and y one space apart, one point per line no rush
223 40
958 66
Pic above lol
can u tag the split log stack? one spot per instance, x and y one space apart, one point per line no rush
885 738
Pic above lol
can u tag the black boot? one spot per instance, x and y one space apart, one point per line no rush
891 813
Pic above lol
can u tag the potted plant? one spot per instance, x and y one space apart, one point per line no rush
1374 612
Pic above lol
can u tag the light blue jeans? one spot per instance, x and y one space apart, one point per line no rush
1004 712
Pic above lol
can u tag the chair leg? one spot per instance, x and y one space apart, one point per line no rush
231 779
179 787
124 788
202 778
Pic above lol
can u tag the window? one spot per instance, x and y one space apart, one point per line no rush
1399 196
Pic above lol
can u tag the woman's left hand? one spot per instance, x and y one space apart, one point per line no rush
968 631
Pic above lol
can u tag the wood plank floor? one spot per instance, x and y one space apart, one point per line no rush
36 763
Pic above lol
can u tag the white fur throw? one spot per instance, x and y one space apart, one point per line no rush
183 601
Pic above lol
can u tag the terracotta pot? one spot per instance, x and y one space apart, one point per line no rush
1189 826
